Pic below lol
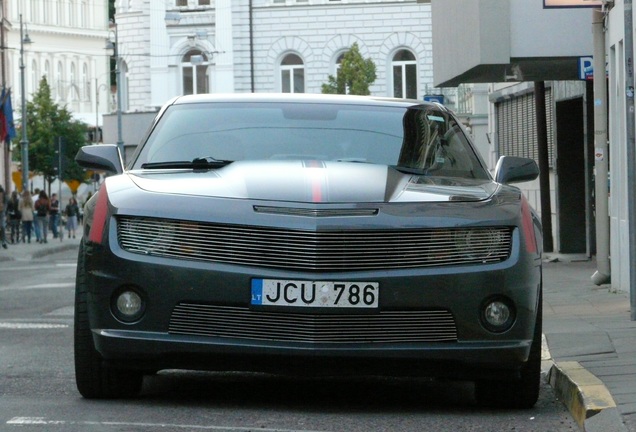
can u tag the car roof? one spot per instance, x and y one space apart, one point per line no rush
303 98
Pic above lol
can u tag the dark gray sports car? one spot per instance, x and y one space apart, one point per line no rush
309 234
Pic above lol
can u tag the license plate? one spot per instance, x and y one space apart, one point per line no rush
295 293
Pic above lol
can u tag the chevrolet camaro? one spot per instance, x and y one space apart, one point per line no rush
310 235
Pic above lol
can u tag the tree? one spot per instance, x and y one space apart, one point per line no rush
354 76
47 124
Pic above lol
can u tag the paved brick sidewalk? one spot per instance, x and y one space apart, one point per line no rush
592 340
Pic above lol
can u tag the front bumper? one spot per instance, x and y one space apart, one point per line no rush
165 283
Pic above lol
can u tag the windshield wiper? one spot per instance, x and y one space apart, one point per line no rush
196 164
410 170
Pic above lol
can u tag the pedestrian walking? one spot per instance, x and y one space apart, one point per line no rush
14 216
3 217
42 206
28 209
72 212
54 214
36 226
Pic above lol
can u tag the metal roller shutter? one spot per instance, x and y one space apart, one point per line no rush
516 127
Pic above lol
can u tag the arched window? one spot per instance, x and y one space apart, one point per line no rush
59 81
292 74
338 64
125 94
194 70
85 83
404 75
34 76
47 72
73 90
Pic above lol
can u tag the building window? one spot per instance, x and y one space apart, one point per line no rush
292 74
194 68
204 2
125 94
60 13
404 75
47 72
339 63
73 90
34 76
86 84
72 22
84 15
59 81
181 3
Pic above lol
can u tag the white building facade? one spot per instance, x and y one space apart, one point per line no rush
177 47
67 47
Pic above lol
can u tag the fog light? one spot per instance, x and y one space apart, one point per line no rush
128 306
498 315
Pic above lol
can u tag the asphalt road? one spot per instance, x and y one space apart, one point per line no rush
37 387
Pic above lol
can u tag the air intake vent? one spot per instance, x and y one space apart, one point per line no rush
244 323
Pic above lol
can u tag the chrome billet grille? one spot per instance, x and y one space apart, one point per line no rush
244 323
314 250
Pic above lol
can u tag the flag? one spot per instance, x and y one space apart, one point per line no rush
3 118
7 111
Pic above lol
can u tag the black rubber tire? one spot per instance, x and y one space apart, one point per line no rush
524 392
93 379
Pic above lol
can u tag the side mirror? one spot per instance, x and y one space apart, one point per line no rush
512 169
101 157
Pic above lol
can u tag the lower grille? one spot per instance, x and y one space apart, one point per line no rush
244 323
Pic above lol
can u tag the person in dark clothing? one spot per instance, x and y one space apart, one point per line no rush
42 206
71 212
3 213
14 215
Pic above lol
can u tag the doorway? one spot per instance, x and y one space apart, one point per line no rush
571 178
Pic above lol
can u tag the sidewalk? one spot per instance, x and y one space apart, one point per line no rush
590 357
35 250
592 343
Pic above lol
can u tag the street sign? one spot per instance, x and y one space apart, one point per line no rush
434 98
586 68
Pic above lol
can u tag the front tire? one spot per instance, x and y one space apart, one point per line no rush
93 379
522 393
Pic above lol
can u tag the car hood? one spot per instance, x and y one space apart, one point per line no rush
312 182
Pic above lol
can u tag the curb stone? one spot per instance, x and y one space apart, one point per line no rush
586 397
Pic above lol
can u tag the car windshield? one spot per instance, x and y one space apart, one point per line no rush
421 139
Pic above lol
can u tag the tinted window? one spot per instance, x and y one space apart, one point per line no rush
422 138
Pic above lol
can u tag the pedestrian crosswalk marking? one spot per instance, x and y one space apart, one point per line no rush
30 326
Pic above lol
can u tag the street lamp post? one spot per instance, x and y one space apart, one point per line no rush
120 141
24 142
97 89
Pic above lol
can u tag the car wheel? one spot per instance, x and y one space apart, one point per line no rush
520 393
92 378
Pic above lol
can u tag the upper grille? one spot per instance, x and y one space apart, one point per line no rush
314 250
243 323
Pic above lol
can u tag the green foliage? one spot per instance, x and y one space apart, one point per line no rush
46 123
354 76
